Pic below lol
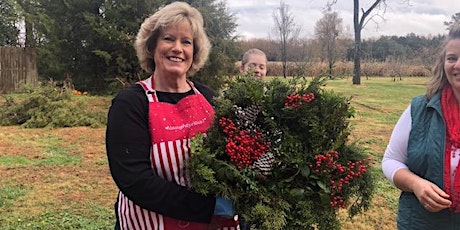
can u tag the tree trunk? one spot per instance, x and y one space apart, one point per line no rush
30 40
284 56
357 58
331 65
29 27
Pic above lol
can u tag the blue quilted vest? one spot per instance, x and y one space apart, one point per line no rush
425 157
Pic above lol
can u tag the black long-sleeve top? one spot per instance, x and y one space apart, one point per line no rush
128 146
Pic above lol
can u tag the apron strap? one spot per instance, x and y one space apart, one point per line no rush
195 90
147 84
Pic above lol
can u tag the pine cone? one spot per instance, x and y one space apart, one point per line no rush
246 117
264 165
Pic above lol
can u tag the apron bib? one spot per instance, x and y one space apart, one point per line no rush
171 127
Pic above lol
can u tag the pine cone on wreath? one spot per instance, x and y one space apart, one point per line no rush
246 117
264 165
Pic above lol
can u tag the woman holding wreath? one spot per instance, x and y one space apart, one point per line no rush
150 125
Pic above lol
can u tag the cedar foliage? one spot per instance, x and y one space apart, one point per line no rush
295 195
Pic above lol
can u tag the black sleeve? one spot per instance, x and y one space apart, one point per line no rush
128 151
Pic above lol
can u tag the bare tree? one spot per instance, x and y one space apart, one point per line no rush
286 30
327 30
455 18
359 23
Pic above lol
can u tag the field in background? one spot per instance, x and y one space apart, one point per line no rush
395 69
59 179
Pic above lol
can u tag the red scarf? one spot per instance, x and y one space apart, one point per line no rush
451 113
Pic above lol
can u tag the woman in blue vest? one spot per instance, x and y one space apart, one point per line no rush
422 156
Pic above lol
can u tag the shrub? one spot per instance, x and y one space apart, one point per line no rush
48 106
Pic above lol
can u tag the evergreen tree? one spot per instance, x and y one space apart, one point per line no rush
113 33
8 18
65 53
90 42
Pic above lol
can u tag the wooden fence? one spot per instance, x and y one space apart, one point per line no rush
18 66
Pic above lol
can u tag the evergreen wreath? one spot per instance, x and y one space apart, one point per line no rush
280 150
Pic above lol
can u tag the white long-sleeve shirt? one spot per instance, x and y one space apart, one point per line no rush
395 156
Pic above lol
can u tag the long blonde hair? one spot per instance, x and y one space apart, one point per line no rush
439 78
172 14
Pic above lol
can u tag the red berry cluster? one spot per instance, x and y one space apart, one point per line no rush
339 175
296 100
243 147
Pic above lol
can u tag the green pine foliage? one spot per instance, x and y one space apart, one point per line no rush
48 106
8 19
316 170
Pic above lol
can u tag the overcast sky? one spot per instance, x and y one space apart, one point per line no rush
422 17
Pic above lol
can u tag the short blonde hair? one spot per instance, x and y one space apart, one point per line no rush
172 14
248 53
439 78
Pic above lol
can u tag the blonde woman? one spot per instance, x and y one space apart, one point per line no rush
150 125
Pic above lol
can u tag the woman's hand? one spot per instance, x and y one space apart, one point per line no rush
433 198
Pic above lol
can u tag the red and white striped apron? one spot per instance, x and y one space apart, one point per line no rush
172 126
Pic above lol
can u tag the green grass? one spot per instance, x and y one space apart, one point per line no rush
381 94
53 179
63 219
53 153
8 194
10 161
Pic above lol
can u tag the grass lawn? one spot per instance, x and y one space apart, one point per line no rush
59 179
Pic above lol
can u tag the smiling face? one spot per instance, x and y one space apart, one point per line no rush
452 65
256 63
173 53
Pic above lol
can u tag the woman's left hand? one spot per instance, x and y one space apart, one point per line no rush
430 196
433 198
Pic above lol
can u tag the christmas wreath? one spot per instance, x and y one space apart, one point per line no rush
280 150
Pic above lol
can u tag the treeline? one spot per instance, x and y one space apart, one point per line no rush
388 53
88 43
344 69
